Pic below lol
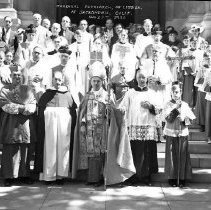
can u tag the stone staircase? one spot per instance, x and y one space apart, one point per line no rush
200 153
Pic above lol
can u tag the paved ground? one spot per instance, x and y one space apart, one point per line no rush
77 196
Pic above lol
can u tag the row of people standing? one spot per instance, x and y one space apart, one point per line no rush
152 54
64 151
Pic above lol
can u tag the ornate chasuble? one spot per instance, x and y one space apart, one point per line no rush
92 129
96 56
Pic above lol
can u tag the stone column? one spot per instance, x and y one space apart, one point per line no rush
206 23
6 9
24 13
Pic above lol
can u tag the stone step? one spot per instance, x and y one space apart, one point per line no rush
195 147
197 136
197 160
194 126
200 175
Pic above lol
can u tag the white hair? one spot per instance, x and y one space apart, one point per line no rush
148 21
56 25
37 15
66 17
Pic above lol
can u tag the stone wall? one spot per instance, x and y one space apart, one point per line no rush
181 14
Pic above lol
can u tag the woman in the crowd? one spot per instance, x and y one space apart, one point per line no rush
195 32
140 113
177 115
8 58
25 49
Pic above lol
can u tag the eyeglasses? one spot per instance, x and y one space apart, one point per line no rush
35 52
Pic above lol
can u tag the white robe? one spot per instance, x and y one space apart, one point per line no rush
129 57
56 150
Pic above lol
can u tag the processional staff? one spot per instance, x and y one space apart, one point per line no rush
108 73
180 58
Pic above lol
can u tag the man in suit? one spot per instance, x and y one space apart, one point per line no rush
115 38
109 28
42 33
66 32
8 35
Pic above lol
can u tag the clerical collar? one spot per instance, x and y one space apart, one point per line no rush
173 101
140 89
146 34
62 65
62 89
54 36
206 66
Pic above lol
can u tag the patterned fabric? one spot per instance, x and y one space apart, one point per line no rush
142 133
17 127
92 130
11 108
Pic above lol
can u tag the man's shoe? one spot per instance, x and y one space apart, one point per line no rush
8 182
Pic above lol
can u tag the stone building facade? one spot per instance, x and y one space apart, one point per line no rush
179 14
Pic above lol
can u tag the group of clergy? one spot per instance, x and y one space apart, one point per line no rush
79 106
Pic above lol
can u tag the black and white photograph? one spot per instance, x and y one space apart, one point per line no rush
105 105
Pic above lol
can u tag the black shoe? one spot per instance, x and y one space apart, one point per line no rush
182 183
29 181
172 182
60 181
8 182
26 180
49 182
98 184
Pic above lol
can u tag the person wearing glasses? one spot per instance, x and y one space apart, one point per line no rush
37 67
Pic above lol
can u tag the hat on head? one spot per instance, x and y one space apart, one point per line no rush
20 31
97 70
185 37
157 30
173 32
30 29
194 27
65 49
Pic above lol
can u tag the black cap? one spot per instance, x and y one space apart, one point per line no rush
30 29
65 49
173 32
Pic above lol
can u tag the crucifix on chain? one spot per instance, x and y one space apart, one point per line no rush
180 58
